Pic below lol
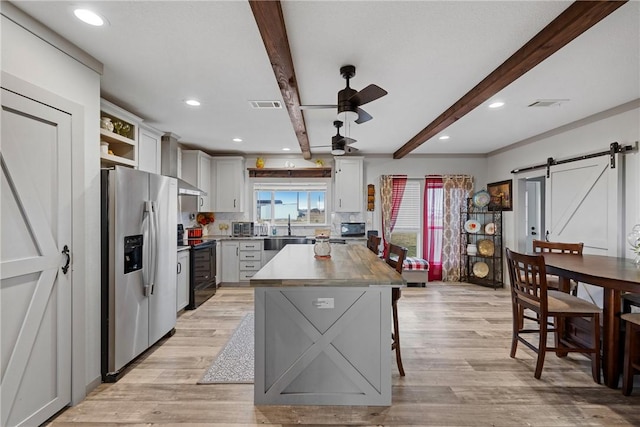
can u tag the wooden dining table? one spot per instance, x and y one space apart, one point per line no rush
614 276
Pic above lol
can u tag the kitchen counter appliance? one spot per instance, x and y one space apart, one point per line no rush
242 229
202 265
352 229
138 279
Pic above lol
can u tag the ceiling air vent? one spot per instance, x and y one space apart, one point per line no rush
262 105
548 102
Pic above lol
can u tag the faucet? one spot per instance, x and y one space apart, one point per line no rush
289 225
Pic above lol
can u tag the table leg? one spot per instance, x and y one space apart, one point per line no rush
611 337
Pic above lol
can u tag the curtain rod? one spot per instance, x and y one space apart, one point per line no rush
614 148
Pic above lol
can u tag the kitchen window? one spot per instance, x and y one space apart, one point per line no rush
408 228
302 203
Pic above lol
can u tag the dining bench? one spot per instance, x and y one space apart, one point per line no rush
415 270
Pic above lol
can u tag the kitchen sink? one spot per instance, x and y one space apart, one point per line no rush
277 243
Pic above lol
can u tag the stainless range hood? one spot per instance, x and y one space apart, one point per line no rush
170 165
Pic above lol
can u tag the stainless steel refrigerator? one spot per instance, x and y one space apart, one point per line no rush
139 222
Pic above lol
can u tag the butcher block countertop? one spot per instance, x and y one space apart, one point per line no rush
349 266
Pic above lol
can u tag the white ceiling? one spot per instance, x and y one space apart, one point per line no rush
426 54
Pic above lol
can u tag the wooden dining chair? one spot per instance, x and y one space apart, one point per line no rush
541 246
631 365
529 291
373 243
395 258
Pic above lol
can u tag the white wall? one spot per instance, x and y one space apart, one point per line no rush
32 60
593 134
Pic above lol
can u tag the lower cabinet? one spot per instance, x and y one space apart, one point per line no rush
218 263
182 291
230 261
250 259
241 259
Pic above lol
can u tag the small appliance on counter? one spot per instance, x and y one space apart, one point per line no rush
352 229
242 229
180 235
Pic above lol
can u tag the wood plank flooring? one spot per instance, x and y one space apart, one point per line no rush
455 346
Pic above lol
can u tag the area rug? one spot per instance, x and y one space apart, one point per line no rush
234 363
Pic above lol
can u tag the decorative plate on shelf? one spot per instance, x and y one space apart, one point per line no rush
481 199
490 228
485 247
480 269
472 226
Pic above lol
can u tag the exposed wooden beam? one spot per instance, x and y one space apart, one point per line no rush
575 20
268 16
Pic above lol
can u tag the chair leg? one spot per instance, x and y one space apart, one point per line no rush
517 325
396 337
559 323
542 348
627 374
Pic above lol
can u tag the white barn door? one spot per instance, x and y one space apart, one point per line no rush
35 293
582 205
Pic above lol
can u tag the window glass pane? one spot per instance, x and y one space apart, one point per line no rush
301 203
263 206
407 240
317 211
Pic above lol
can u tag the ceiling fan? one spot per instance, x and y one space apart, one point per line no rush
350 100
340 145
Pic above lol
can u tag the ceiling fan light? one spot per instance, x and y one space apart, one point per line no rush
347 116
337 151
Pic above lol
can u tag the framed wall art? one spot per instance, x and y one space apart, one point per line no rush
501 193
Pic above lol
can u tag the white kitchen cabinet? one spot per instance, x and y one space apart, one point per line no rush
218 262
250 259
182 294
230 261
348 189
228 184
149 149
196 170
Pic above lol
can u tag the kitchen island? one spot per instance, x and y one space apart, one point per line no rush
323 328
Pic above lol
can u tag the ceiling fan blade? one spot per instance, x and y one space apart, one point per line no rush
342 139
368 94
316 107
350 150
319 146
348 140
363 116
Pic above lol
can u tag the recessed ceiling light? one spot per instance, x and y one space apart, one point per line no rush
89 17
237 140
496 104
192 102
286 149
443 137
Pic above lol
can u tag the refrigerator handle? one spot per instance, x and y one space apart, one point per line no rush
154 245
147 231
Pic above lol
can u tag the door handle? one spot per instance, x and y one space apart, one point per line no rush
546 235
65 251
179 268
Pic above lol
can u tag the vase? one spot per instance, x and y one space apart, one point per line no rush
106 123
322 247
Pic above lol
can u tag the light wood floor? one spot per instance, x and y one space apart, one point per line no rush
455 340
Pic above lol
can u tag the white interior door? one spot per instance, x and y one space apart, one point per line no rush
582 205
534 215
35 294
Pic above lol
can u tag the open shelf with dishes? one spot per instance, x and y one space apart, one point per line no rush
118 136
481 247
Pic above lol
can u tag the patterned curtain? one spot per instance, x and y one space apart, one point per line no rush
386 192
456 190
432 220
391 192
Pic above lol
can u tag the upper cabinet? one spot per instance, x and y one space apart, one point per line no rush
348 190
196 170
118 136
149 149
228 183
